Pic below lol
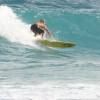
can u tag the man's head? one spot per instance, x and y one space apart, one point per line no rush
42 21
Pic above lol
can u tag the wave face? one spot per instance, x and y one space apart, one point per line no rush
32 72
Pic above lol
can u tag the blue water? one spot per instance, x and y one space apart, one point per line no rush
29 71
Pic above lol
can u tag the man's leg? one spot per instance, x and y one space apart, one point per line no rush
42 34
35 34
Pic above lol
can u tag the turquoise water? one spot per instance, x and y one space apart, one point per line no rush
29 71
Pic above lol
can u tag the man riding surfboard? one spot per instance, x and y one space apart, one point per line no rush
39 28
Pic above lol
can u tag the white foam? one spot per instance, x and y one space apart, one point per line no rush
50 91
12 28
93 61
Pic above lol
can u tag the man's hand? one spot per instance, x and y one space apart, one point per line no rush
47 31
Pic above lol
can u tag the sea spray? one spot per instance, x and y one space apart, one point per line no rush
14 29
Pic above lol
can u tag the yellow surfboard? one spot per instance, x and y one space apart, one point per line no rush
56 44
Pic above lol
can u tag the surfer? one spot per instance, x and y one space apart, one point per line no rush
39 28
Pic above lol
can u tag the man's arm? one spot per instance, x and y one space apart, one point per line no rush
46 29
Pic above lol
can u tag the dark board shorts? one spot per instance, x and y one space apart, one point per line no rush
36 30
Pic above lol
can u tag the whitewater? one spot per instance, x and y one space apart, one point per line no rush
13 29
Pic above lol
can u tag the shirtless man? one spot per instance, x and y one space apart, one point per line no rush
39 28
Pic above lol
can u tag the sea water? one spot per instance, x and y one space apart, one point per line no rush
29 71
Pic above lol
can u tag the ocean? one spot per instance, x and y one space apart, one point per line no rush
29 71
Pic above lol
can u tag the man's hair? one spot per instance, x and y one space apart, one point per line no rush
42 20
